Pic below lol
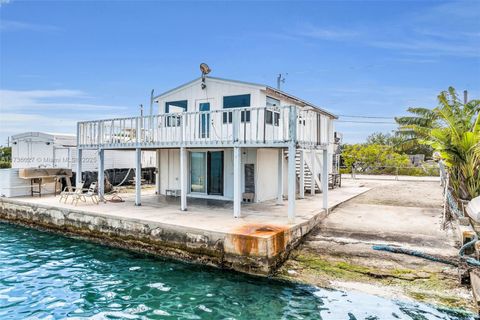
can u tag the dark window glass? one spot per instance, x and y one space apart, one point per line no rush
268 117
180 104
245 116
276 118
175 120
239 101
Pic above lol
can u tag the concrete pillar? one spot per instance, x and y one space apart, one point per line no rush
292 183
325 179
157 174
301 192
138 176
280 177
101 174
183 179
237 192
313 161
78 174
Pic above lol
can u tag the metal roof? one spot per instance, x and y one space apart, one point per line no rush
259 85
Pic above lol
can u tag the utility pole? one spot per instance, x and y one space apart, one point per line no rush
465 96
280 80
141 110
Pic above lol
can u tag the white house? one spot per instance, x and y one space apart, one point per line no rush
225 139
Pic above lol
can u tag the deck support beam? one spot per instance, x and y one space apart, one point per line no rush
292 183
280 177
183 179
78 174
101 174
237 192
138 177
301 191
157 172
313 161
325 180
292 163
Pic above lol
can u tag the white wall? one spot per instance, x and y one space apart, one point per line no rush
267 174
170 168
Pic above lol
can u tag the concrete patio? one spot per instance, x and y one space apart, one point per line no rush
257 242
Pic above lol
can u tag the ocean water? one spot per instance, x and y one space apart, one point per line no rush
47 276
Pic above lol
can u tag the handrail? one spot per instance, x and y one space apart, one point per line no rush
247 125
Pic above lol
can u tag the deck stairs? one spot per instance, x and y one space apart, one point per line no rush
307 171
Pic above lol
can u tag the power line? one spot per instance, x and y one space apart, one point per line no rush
385 122
366 117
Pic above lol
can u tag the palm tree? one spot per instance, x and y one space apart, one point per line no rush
456 136
415 127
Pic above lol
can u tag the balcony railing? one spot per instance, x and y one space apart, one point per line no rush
252 126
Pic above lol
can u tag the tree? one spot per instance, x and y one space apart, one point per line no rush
456 136
414 127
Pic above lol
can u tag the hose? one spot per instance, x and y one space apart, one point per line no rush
414 253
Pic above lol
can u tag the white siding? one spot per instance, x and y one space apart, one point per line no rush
267 177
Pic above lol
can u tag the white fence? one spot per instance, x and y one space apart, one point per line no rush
238 126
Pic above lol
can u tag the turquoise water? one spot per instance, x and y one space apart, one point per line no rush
46 276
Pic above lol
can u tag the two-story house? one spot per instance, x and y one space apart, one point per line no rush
227 140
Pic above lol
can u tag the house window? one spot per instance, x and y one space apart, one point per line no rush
272 102
272 117
174 108
238 101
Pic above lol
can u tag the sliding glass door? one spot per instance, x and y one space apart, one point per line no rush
198 172
206 172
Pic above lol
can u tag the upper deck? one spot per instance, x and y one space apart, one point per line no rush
244 127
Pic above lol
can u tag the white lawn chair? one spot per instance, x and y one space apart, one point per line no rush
70 191
91 194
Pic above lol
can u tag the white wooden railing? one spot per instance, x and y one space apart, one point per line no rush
252 126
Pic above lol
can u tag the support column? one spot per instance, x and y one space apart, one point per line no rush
157 172
78 174
292 174
101 174
313 161
237 192
183 179
292 183
301 192
138 176
325 180
280 177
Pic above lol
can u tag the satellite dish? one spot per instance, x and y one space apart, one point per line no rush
205 68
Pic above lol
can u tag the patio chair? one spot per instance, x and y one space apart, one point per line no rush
70 191
91 194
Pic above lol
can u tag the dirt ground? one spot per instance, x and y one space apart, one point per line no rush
338 253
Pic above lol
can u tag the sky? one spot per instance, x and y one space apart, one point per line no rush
68 61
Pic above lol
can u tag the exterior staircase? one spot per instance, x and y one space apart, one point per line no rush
307 176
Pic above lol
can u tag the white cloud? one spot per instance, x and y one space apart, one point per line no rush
14 25
48 99
49 111
450 29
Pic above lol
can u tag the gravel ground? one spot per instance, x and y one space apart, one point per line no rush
338 253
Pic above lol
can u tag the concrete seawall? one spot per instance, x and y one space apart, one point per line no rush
251 248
